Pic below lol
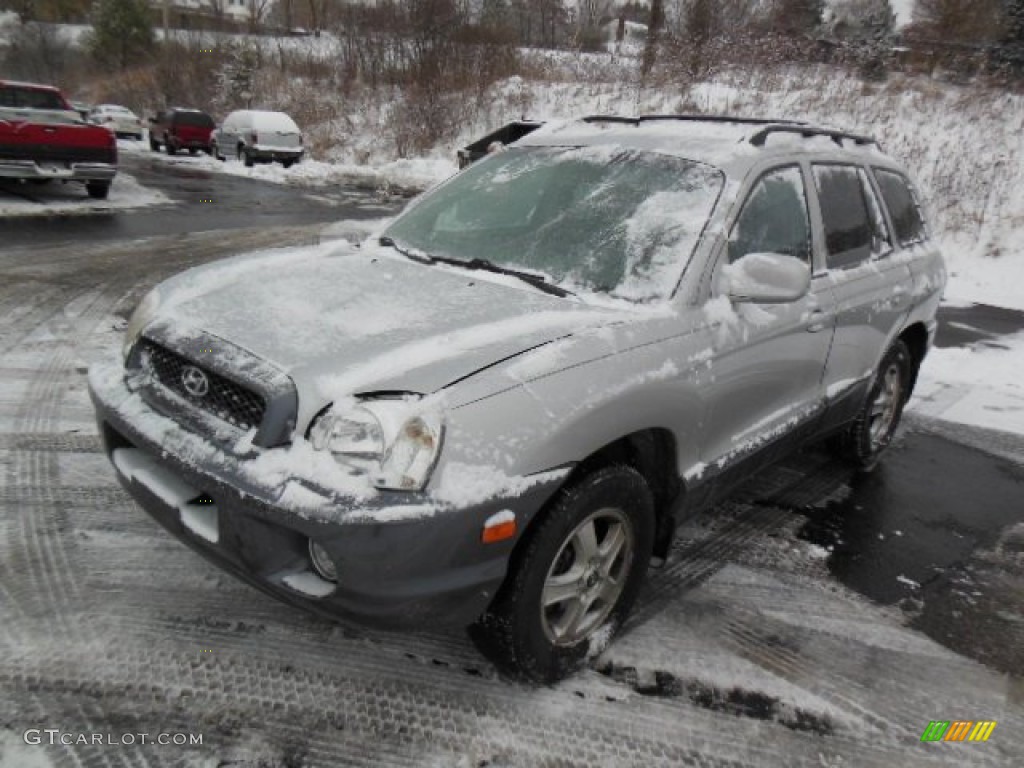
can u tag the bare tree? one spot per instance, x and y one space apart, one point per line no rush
258 10
654 30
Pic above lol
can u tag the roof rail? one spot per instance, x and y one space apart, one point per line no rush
690 118
758 139
809 131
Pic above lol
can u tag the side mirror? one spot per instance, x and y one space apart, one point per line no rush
765 278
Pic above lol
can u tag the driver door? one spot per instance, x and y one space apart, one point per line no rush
765 382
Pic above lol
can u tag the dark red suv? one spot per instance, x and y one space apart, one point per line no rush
177 129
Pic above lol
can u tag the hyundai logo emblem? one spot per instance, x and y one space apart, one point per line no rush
194 381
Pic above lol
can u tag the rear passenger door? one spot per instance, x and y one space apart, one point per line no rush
871 288
225 143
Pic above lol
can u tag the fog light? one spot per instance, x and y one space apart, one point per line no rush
322 563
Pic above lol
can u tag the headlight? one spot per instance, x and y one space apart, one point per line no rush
139 320
395 442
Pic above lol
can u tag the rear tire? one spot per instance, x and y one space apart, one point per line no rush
98 190
573 579
154 144
216 152
170 149
245 157
867 438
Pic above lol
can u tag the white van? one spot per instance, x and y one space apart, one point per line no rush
254 135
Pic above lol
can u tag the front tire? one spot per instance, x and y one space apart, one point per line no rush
245 157
170 148
573 580
867 438
154 144
98 190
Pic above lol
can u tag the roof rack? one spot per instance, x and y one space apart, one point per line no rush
770 126
809 131
690 119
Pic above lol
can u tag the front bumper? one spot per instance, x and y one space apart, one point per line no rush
30 169
403 560
273 154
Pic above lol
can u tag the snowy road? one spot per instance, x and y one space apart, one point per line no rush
157 195
754 645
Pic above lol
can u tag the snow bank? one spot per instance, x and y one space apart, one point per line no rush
979 385
70 199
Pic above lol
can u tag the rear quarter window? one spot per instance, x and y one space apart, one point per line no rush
904 208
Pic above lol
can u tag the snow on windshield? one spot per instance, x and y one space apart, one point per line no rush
594 219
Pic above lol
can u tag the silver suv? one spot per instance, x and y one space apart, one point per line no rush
496 412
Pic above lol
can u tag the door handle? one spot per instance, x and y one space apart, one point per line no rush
817 321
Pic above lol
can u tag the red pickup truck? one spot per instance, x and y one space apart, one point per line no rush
43 138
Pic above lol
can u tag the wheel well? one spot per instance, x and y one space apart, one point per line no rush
916 339
652 453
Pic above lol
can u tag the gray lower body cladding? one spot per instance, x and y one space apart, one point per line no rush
403 573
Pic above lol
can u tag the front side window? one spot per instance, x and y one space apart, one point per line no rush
849 230
903 206
603 219
774 218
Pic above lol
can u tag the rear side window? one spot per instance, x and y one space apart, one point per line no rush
881 240
774 218
903 206
849 228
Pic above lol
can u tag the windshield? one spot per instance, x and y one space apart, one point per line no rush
603 219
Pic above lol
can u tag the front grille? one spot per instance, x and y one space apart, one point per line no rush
222 398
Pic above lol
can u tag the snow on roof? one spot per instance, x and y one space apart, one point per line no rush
273 121
36 86
721 144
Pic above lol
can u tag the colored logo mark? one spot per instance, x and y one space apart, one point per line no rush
958 730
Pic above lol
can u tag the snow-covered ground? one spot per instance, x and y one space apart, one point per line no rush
56 198
413 173
980 385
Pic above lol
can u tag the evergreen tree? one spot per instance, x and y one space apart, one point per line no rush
495 14
961 21
122 32
1011 48
1013 21
864 20
797 17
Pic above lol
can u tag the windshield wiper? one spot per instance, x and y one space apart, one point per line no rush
537 281
410 253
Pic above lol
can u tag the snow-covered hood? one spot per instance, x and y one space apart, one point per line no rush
342 320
